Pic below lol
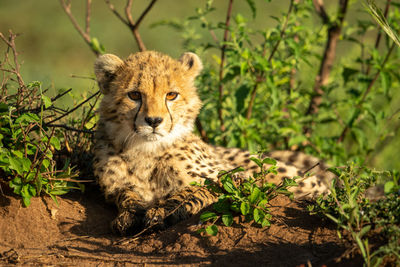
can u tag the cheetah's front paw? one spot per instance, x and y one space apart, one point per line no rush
125 222
155 217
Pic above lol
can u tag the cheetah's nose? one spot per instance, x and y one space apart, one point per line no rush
153 121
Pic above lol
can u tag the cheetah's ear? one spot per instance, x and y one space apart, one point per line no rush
105 68
192 63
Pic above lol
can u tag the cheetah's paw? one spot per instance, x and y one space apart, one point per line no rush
155 217
124 222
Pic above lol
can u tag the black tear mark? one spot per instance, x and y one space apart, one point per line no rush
190 63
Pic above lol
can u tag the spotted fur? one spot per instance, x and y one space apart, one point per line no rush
146 155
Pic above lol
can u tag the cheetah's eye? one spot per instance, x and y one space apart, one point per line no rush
172 96
135 95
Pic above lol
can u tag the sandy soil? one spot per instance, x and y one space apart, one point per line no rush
76 233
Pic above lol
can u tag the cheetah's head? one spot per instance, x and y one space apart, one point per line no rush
149 99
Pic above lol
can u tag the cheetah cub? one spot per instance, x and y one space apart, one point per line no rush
145 152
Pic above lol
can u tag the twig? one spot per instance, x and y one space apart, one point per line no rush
367 91
85 34
87 20
75 108
334 29
11 44
221 66
129 22
69 128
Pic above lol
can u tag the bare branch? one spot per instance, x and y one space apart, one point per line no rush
88 11
128 20
11 45
85 34
141 17
75 108
116 13
69 128
320 9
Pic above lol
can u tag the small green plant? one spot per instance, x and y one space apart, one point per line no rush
364 220
34 151
249 197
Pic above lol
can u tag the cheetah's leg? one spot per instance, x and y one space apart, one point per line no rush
179 207
131 212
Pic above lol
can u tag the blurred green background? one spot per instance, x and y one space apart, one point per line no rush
51 50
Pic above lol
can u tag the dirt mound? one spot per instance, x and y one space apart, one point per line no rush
77 233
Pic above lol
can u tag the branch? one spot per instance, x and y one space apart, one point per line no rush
11 44
320 9
260 78
75 108
221 66
129 22
334 29
85 34
69 128
87 20
367 91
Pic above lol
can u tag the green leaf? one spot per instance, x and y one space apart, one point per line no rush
269 161
55 142
263 203
212 230
245 208
46 101
348 73
389 187
252 6
254 195
227 219
208 215
257 161
26 201
16 164
364 230
361 246
96 46
27 118
58 192
26 164
258 215
221 206
266 222
229 186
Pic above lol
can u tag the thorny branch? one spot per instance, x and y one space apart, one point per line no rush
334 30
128 20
